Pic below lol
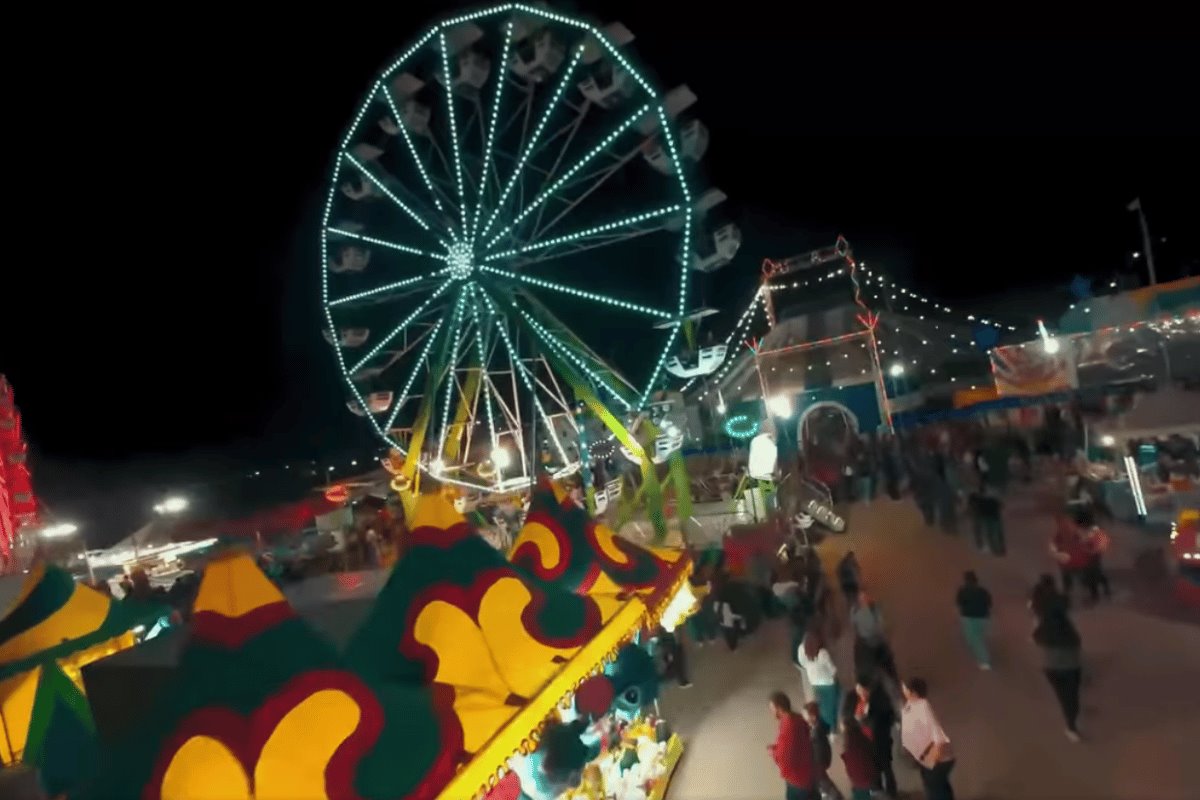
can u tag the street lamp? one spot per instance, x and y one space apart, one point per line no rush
59 531
172 505
780 405
62 530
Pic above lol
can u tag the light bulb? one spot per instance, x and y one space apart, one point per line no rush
501 457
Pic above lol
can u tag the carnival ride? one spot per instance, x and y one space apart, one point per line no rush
18 504
512 196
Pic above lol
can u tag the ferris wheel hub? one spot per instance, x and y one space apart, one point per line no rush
461 260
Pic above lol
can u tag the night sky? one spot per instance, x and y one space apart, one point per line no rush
161 326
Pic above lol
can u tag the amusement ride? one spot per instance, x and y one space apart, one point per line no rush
512 197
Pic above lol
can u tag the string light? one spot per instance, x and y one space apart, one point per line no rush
558 287
379 185
454 149
576 236
412 150
531 144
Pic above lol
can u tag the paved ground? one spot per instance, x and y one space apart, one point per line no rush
1141 718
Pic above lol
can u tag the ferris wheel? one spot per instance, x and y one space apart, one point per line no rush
511 199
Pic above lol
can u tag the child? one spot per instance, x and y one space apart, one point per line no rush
822 752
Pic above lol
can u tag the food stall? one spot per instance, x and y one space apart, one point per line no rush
1145 479
633 750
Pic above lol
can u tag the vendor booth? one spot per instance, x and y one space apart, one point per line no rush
1146 478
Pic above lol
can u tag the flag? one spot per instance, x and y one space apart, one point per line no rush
1136 205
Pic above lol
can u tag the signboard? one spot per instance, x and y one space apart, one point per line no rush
1027 370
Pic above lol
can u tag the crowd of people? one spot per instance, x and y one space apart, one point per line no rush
943 475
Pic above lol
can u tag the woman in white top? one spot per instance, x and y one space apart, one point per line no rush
923 737
821 672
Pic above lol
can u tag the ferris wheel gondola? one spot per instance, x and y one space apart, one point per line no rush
513 168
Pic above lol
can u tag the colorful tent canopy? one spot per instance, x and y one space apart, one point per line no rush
45 722
459 664
501 645
53 627
262 707
561 543
56 619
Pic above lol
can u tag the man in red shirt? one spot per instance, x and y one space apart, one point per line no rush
792 750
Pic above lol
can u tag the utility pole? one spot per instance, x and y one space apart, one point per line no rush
1136 205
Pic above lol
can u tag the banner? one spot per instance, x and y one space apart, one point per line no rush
1027 370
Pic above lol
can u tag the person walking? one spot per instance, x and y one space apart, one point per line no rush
987 517
674 657
821 674
801 615
859 758
703 624
732 624
871 650
822 753
1045 596
1095 542
1062 662
974 612
849 575
1071 553
792 750
923 737
865 468
873 710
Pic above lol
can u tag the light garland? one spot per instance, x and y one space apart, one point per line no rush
741 426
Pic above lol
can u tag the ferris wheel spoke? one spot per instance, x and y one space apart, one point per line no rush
531 142
422 359
613 229
559 347
483 361
490 141
381 186
404 324
591 181
412 148
402 248
581 293
452 365
391 287
565 251
448 82
568 135
519 367
584 160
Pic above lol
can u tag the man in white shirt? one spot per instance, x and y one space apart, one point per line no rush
922 736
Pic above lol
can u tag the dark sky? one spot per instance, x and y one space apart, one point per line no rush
160 321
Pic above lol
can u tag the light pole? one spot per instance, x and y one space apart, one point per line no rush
1136 206
171 506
